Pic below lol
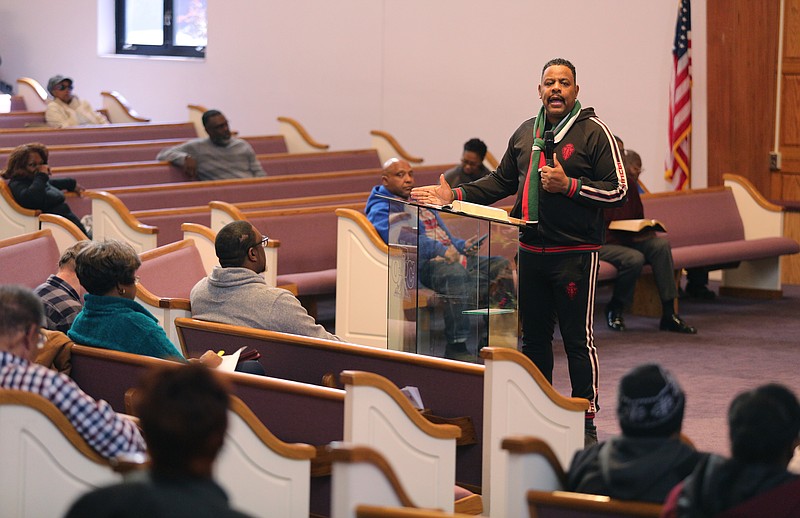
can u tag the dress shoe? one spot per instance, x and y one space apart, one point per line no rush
699 292
676 325
614 319
589 436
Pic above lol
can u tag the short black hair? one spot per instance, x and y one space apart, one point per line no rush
20 308
562 62
102 265
232 243
763 424
184 415
477 146
208 114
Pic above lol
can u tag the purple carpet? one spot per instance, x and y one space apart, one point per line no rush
740 344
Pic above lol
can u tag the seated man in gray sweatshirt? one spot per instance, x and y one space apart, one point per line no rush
218 157
236 292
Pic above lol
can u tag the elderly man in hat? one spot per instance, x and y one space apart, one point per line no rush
65 109
649 458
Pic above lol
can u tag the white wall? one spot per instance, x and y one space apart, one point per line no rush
434 73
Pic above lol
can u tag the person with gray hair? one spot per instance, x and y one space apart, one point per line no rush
65 110
218 157
649 458
60 293
764 430
237 293
21 316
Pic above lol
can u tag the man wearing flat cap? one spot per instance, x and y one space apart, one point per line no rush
65 109
649 458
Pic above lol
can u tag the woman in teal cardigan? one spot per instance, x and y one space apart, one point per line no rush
111 319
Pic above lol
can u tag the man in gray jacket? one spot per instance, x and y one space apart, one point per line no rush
236 292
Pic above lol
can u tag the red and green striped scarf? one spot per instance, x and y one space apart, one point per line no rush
530 194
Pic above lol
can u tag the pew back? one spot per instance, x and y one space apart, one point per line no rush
88 134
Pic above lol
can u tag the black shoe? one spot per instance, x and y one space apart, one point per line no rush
676 325
699 292
614 319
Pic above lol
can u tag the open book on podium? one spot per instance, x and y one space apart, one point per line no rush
485 211
637 225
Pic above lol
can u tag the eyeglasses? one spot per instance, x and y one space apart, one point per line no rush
42 340
264 241
61 88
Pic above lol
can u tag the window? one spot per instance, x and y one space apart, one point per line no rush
161 27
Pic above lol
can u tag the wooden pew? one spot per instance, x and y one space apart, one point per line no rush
28 259
310 360
378 415
94 153
20 119
366 484
546 504
516 397
89 134
531 465
293 412
118 110
46 464
111 208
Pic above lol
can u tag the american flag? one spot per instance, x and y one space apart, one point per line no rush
680 101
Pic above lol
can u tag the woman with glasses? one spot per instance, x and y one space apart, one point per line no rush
34 188
65 109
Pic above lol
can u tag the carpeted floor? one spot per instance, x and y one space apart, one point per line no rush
740 344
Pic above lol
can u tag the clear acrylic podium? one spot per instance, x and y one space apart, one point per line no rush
446 304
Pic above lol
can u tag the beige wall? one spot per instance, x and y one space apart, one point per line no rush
432 72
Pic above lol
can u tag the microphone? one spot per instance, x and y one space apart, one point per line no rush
549 148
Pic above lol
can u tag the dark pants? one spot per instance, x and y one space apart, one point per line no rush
562 287
629 260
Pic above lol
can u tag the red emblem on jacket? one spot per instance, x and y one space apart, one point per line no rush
572 290
567 151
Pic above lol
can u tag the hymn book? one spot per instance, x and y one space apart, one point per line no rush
637 225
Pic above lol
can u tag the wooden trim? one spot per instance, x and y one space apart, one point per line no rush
566 500
527 444
241 378
166 249
111 167
93 146
405 155
292 211
103 128
197 107
361 220
122 210
343 197
59 420
228 208
469 505
148 213
298 451
303 133
199 229
161 302
667 194
295 156
369 379
24 238
378 511
512 355
340 452
36 86
753 192
335 346
117 98
63 222
5 191
490 158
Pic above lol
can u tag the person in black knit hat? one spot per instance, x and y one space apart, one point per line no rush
649 458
